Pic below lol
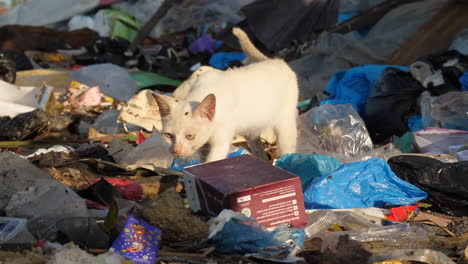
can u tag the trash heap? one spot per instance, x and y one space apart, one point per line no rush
380 173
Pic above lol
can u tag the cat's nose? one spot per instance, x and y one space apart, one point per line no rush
177 150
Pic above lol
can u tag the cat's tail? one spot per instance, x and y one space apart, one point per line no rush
248 47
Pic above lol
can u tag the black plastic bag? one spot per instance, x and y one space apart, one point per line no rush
445 183
390 104
32 124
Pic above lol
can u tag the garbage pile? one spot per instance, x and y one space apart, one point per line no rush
87 174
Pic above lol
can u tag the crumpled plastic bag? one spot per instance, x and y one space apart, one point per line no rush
390 104
369 183
234 232
445 183
333 130
308 167
450 110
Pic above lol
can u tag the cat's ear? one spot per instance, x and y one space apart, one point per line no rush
165 104
207 107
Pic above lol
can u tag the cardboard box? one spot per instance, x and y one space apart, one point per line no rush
247 185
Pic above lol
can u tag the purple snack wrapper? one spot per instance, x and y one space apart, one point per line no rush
204 43
138 241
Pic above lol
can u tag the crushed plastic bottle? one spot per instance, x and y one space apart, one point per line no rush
321 221
390 235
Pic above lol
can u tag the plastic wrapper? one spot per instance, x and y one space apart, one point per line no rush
138 242
333 130
361 184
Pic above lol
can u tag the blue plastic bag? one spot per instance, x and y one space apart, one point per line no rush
221 60
233 232
464 81
354 85
138 241
415 123
180 164
369 183
308 167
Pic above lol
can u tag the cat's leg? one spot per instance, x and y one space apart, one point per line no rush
286 130
220 145
256 147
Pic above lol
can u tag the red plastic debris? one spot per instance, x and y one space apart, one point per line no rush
140 138
75 67
401 213
129 189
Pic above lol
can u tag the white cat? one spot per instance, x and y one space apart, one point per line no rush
217 105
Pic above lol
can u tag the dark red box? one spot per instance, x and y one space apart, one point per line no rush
247 185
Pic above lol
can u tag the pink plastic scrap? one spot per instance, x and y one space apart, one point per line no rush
92 97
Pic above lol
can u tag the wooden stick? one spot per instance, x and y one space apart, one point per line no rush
152 22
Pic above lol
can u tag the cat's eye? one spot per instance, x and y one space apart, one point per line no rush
190 136
168 135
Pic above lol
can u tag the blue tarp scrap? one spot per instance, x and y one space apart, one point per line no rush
369 183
